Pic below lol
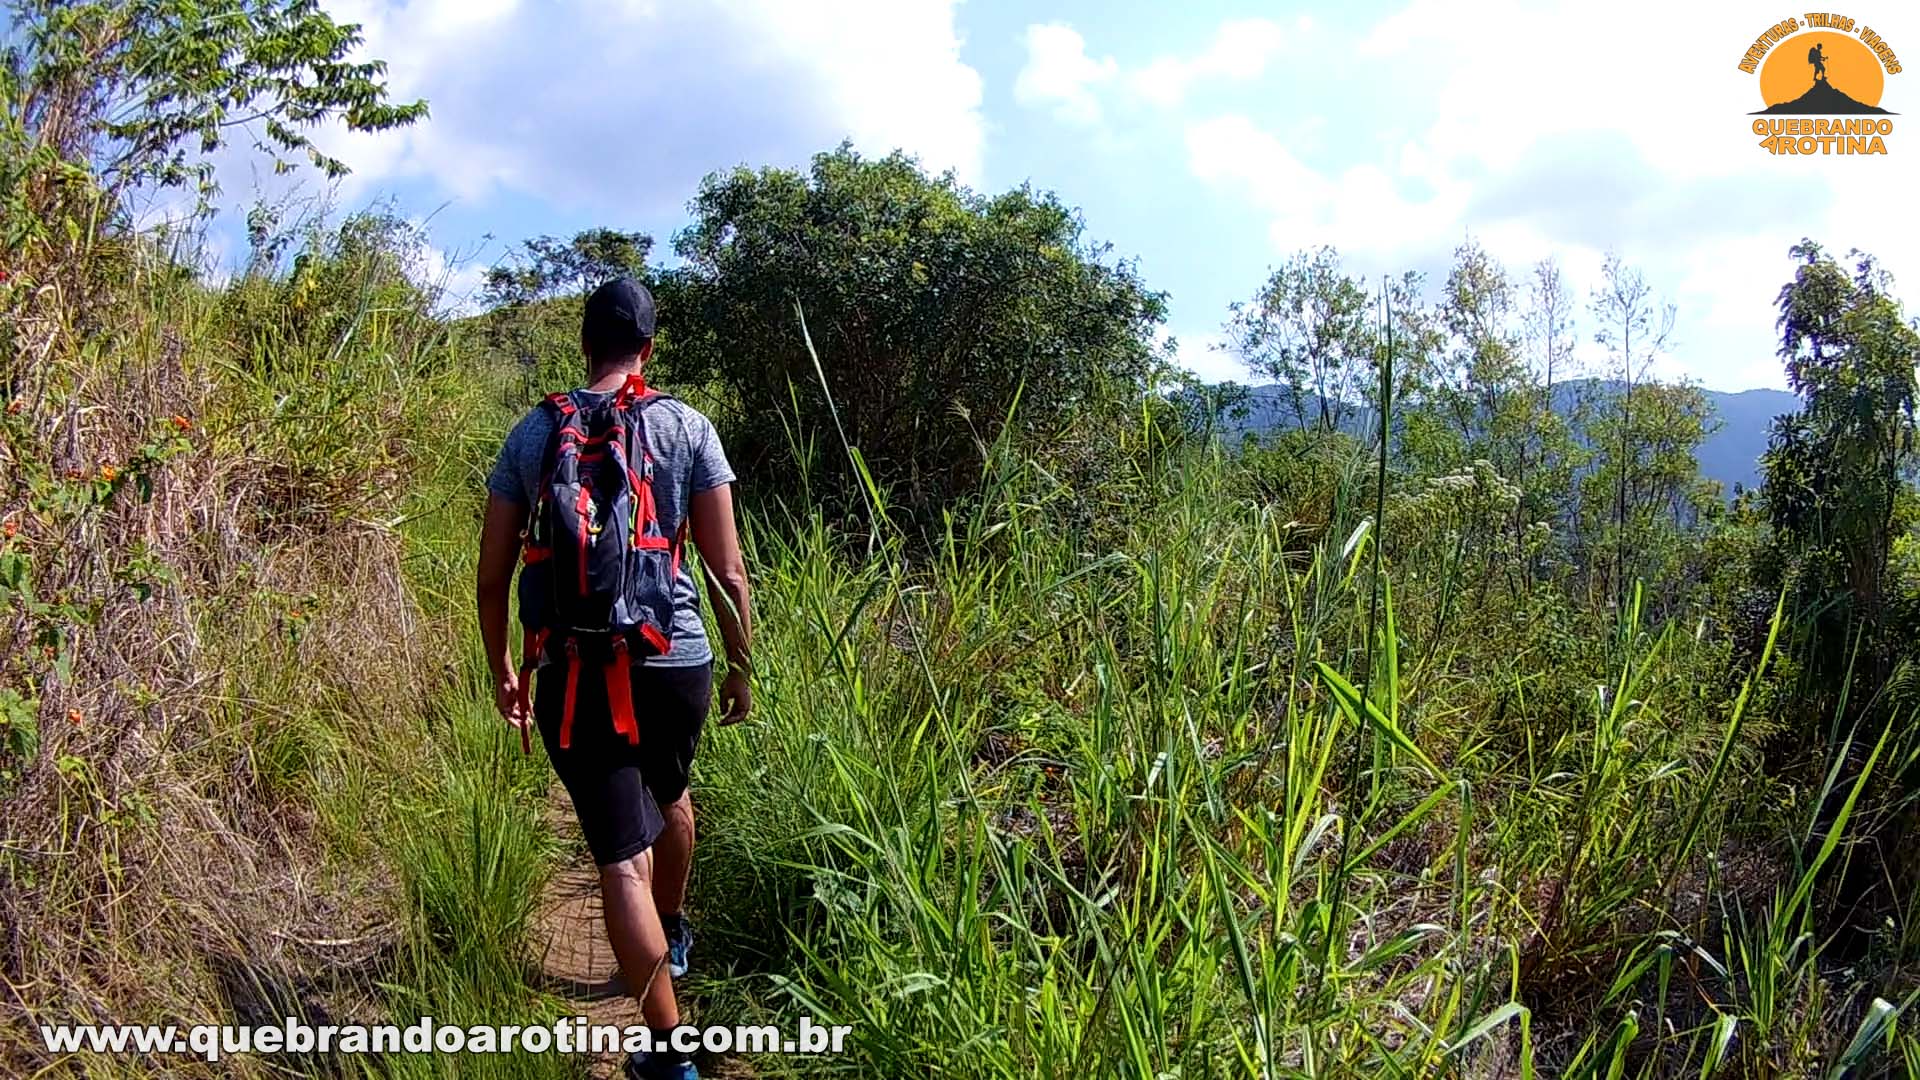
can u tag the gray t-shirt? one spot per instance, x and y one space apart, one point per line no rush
687 459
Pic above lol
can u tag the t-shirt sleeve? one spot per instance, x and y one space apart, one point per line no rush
508 480
710 467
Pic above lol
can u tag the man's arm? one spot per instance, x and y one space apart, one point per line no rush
717 538
499 549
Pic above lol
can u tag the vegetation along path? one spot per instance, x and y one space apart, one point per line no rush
1443 721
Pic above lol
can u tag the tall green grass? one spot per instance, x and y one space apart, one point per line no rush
1197 801
1021 806
1219 784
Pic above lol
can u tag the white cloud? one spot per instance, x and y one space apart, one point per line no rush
1202 352
1060 74
1567 129
625 106
1240 51
1361 209
455 277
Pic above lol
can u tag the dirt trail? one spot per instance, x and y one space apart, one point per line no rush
577 963
570 942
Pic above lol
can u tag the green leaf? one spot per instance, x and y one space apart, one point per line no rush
1349 701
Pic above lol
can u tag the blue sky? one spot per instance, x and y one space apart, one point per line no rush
1208 141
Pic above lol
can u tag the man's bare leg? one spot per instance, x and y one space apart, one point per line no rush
633 927
673 856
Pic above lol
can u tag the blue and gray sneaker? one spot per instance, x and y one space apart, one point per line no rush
679 943
650 1067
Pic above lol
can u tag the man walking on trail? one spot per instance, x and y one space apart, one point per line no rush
606 540
1819 61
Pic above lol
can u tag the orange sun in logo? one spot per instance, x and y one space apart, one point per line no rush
1850 67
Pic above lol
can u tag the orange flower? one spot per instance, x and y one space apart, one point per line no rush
11 529
14 406
182 423
294 613
108 473
75 716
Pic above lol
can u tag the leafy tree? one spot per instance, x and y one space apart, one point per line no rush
1490 398
140 93
546 268
1646 492
1482 384
1552 456
938 315
1834 469
533 297
1309 328
1418 339
1428 443
1549 322
1633 328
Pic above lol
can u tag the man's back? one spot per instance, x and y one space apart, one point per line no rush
688 459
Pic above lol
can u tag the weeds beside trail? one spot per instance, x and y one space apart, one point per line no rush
1035 806
250 775
1153 776
1499 746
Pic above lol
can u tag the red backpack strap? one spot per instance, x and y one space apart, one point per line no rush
635 392
620 692
634 389
530 647
661 643
573 692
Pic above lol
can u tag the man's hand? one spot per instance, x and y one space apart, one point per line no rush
499 548
507 700
736 697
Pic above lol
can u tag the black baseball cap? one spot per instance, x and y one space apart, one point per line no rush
618 314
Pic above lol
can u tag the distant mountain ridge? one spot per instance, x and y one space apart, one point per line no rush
1730 455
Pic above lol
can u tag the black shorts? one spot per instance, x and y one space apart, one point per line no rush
618 789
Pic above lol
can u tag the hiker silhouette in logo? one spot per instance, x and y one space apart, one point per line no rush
599 490
1819 61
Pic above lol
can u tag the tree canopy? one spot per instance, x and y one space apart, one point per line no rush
937 314
106 97
1308 329
1834 470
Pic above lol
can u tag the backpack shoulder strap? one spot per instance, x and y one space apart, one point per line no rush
633 399
560 410
637 406
636 393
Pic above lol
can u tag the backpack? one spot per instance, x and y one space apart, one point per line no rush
1813 55
596 585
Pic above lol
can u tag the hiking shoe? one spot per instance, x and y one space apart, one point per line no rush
679 943
647 1067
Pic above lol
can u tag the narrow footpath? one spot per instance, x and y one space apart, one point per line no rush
576 962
